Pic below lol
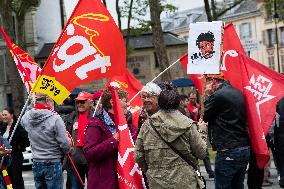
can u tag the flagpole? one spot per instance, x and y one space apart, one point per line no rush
97 105
156 78
17 123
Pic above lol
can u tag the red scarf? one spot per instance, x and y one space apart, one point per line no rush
82 124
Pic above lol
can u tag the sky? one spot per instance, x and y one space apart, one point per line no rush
180 4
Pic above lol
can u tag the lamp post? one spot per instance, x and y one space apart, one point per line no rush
276 17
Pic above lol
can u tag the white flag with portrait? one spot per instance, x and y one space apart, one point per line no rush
204 47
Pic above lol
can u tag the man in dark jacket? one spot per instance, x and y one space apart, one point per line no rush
76 123
228 132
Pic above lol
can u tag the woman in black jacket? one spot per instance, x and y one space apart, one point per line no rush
19 143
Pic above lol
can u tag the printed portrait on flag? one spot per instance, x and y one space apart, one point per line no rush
204 48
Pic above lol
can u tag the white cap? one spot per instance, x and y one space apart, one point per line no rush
152 88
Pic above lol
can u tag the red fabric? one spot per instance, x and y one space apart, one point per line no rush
82 125
90 47
197 79
262 88
241 71
27 67
131 85
190 108
129 174
42 106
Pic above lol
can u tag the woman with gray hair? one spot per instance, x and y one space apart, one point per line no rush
169 145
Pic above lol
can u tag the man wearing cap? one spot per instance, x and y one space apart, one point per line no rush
76 123
228 132
49 142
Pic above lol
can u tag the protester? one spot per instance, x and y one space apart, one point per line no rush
149 96
76 123
163 165
49 142
183 105
194 110
96 97
19 143
101 143
228 132
65 108
193 106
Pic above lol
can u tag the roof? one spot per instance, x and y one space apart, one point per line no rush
248 7
135 42
185 17
146 40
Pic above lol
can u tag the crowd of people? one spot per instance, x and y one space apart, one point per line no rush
171 137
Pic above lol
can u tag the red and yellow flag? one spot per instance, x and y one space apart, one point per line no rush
27 67
90 47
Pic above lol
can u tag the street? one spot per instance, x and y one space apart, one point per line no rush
29 182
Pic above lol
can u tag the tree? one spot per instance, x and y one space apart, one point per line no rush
213 11
158 39
269 7
19 8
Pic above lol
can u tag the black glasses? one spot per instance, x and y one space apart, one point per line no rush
80 101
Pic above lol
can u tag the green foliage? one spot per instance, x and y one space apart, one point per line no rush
21 7
269 8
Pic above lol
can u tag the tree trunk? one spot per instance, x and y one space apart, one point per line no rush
14 80
158 39
208 11
118 14
214 11
128 23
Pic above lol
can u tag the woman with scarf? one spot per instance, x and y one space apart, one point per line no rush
19 143
101 142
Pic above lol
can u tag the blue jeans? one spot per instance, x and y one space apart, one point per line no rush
48 175
230 168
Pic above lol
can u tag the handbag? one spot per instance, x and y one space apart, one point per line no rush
201 178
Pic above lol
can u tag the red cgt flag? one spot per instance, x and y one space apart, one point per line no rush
129 174
197 79
90 47
262 88
27 67
132 86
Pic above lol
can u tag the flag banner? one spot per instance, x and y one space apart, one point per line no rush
204 47
90 47
128 172
247 75
197 79
27 67
132 86
262 88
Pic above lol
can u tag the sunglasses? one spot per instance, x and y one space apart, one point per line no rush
80 101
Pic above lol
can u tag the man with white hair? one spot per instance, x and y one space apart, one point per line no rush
149 96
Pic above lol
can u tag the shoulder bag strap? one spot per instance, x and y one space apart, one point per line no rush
173 148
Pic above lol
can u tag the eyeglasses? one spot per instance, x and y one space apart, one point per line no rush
150 97
80 101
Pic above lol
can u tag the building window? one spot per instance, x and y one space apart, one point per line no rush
282 36
245 31
271 37
271 63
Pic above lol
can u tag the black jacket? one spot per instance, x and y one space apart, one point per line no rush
225 114
20 139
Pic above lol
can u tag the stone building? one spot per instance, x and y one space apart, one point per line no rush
255 29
